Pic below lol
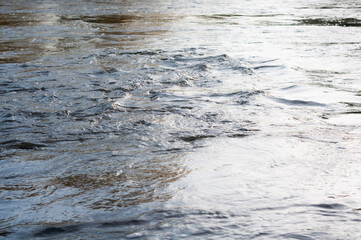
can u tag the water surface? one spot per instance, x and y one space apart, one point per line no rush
180 119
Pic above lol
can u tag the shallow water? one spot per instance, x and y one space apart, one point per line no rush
180 119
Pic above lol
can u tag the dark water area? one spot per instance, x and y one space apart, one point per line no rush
180 119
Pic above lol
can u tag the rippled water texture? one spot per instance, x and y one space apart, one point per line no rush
180 119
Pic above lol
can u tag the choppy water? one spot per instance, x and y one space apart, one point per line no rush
180 119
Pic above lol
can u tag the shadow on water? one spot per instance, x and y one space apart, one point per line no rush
104 19
17 19
342 22
131 185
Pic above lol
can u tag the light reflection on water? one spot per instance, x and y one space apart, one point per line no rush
169 119
271 183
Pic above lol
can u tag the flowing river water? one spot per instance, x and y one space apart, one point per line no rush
193 119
